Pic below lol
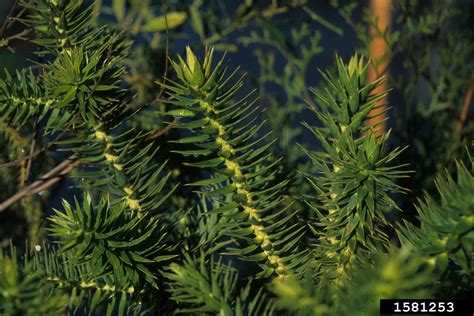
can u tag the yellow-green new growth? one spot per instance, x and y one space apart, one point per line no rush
192 71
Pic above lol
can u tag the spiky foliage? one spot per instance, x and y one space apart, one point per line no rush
48 283
21 99
119 237
24 289
226 134
446 232
83 69
201 228
63 24
114 239
199 287
397 274
354 177
84 98
132 241
426 44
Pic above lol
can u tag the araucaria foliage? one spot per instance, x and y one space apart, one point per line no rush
149 180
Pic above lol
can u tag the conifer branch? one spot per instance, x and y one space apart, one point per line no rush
242 169
135 244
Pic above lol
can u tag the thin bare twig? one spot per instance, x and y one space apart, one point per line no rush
8 17
163 131
44 182
29 161
19 161
167 51
57 173
467 102
165 75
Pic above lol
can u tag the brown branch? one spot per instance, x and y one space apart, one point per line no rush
18 36
157 134
29 161
467 102
44 182
56 174
8 17
19 161
162 131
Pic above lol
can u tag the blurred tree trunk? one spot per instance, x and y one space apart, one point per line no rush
380 11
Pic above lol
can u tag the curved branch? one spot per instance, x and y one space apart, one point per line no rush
47 180
467 102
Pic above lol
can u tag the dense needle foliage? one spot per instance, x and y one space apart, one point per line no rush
139 178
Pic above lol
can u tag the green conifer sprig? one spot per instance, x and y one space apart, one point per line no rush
223 134
62 24
46 282
126 248
446 232
202 229
113 238
199 287
77 84
88 103
394 274
115 166
25 290
21 98
85 79
355 176
117 237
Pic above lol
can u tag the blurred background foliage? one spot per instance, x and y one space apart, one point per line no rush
427 58
280 45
